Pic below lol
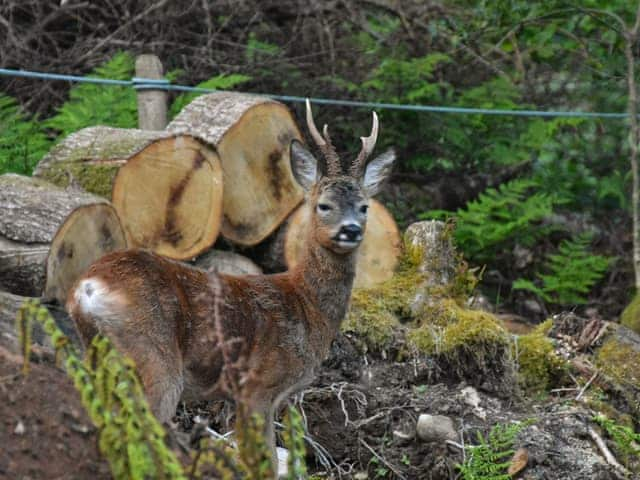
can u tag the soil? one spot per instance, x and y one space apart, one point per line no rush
361 414
44 430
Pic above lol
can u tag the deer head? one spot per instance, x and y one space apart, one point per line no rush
337 194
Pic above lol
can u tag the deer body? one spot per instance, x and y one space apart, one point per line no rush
164 314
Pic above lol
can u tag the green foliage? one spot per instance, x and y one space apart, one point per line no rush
501 217
22 140
221 82
572 272
489 459
91 104
130 437
627 441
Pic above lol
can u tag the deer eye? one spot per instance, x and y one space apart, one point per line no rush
364 208
323 207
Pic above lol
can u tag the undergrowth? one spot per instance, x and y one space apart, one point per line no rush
626 440
129 436
571 273
22 140
501 217
489 459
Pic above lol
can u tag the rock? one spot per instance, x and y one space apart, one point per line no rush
523 257
532 306
433 240
436 428
20 429
470 396
438 260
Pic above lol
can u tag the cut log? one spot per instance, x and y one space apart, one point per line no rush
252 135
88 233
169 197
36 214
92 156
227 262
378 255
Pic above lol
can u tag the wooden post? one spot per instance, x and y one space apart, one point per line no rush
152 104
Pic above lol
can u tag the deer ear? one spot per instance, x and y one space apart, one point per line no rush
377 172
303 165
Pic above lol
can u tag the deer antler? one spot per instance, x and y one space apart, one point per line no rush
323 143
368 144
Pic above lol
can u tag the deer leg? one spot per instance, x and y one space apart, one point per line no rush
263 406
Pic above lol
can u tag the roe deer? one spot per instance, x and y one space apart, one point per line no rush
159 312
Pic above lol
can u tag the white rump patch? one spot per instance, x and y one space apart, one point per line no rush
96 299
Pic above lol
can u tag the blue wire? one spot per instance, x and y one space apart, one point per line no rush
163 84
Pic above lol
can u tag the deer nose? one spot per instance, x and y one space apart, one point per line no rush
351 232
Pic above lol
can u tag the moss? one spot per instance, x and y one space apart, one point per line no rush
620 362
446 328
539 367
631 316
375 312
97 179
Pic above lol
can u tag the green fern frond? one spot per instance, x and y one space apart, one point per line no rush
489 459
23 142
91 104
572 273
503 216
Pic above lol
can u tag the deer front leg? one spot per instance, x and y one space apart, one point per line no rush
263 406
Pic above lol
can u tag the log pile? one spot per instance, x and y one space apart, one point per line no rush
218 174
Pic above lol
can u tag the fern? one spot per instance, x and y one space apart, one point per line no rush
626 440
489 459
501 217
572 273
130 437
90 104
23 142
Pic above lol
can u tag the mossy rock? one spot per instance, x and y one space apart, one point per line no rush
539 367
630 317
619 360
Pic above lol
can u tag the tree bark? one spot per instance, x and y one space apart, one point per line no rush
252 136
631 39
10 305
92 156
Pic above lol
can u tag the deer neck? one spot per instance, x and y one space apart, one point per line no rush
328 278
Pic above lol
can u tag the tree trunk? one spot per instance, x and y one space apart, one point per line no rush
227 262
252 135
378 255
10 305
92 156
631 39
169 197
88 233
36 214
